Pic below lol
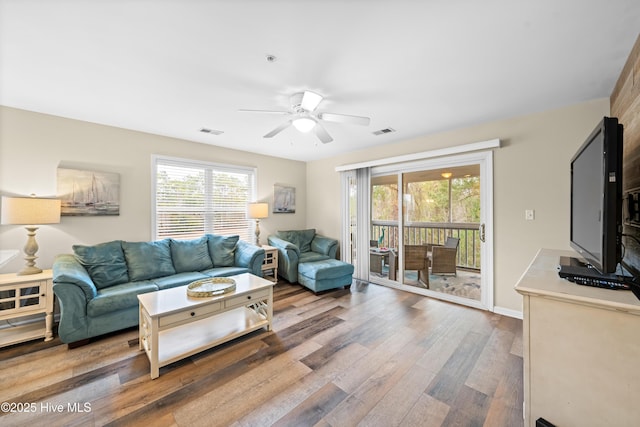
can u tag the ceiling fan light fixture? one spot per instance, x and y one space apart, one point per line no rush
304 124
310 100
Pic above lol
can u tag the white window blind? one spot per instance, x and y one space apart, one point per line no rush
193 198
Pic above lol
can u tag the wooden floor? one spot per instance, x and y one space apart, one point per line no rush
368 355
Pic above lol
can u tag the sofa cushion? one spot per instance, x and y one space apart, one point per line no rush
180 279
190 255
118 297
301 238
225 271
221 249
148 260
104 262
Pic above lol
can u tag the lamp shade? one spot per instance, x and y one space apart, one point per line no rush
258 210
30 211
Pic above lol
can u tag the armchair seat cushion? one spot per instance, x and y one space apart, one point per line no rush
312 257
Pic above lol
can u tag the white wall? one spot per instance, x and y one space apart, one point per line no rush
33 146
531 171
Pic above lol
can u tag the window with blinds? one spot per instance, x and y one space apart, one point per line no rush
193 198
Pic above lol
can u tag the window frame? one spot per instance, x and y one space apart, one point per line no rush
251 171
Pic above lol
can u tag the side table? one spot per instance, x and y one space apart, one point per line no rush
24 296
270 262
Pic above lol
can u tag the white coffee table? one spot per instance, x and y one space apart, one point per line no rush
174 325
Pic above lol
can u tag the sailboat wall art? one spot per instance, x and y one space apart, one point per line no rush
88 193
284 199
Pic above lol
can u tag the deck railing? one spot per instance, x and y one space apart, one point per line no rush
422 233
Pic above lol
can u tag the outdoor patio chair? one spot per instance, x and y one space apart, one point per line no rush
444 258
375 260
415 258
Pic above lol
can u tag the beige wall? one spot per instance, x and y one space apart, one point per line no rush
33 146
531 171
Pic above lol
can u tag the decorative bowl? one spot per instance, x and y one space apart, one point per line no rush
210 287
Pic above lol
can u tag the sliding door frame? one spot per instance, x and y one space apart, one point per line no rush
485 160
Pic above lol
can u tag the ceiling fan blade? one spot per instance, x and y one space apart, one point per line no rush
278 129
322 134
243 110
344 118
310 100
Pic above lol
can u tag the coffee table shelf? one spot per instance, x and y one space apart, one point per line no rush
188 339
174 326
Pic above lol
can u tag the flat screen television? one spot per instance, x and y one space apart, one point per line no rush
596 197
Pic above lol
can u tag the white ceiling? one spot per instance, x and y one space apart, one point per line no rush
420 67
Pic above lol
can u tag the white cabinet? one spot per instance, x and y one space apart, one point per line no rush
22 296
581 349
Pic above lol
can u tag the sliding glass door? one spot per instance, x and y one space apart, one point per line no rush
429 225
441 230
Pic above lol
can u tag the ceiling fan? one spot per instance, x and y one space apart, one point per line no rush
303 116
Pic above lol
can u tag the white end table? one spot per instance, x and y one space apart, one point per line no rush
22 296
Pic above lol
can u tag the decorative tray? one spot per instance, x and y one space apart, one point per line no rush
211 287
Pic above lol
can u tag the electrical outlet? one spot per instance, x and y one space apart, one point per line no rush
529 214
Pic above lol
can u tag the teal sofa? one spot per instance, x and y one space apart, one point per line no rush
309 259
97 286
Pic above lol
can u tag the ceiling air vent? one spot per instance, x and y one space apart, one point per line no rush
383 131
211 131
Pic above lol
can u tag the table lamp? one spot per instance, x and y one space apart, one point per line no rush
258 211
30 212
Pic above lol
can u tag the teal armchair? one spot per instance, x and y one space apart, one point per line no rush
300 246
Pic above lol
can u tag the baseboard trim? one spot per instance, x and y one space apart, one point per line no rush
508 312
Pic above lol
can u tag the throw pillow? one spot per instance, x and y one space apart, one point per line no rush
191 255
104 262
301 238
148 260
222 250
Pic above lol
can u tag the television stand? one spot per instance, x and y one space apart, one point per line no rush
580 349
581 273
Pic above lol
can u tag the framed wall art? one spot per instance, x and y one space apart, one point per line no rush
88 193
284 199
